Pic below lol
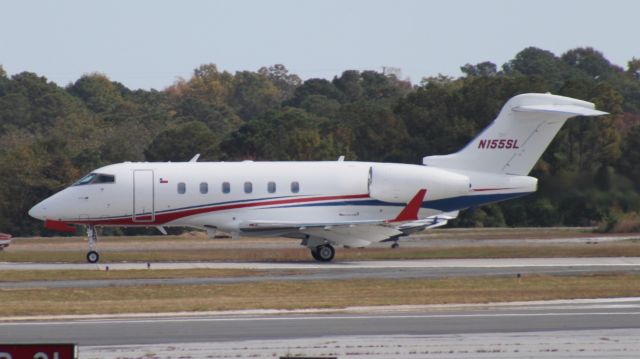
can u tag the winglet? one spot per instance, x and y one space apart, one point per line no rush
59 226
410 212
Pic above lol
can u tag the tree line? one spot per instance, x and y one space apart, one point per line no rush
52 135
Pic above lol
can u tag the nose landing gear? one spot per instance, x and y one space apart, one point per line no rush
92 237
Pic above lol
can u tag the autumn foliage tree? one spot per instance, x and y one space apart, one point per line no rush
51 135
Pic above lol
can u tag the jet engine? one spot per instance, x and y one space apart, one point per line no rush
399 183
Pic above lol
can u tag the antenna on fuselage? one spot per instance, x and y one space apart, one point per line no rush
195 158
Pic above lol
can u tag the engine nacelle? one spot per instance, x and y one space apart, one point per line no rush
399 183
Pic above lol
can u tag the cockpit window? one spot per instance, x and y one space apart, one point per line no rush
85 180
93 178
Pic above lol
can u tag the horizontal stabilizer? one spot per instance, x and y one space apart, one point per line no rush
568 110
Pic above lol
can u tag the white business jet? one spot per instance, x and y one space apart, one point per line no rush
323 204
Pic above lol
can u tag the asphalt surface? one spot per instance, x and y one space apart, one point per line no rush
307 271
410 273
556 316
611 343
581 262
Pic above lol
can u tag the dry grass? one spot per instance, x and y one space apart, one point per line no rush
615 249
106 256
507 233
609 249
438 243
627 223
54 275
312 294
447 233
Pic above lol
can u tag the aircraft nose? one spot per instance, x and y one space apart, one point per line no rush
38 211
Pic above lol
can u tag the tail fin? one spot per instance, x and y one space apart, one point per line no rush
515 140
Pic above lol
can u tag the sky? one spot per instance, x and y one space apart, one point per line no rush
152 43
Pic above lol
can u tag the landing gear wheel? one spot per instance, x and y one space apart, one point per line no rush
93 257
395 245
92 237
314 254
324 253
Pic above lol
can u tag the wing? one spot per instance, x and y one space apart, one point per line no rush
355 233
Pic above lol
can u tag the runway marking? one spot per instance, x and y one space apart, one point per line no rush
298 318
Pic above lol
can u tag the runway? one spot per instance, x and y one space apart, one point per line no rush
372 264
308 271
575 328
416 328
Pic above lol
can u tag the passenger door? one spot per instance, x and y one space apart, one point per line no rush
143 196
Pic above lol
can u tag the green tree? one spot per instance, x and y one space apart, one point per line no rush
97 92
481 69
629 162
285 82
378 134
181 142
290 134
253 94
590 61
533 61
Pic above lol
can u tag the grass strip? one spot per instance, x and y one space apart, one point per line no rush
447 233
54 275
312 294
614 249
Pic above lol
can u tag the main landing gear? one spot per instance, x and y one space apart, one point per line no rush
323 253
92 237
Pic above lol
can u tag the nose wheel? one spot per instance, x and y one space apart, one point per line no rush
93 257
92 237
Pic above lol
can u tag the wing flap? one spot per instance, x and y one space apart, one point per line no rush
366 234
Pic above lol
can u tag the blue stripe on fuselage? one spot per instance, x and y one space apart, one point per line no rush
444 205
456 203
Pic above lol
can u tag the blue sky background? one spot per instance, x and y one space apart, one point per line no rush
150 43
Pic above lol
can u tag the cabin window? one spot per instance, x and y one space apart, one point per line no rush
248 187
204 188
182 188
295 187
271 187
226 187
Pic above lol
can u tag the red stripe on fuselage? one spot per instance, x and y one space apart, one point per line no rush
162 218
489 189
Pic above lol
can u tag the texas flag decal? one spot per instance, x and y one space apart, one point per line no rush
164 180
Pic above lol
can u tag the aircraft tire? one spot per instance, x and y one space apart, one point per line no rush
314 254
324 253
395 245
93 257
